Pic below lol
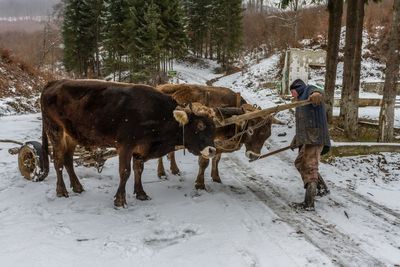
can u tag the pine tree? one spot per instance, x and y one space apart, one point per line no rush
81 34
130 25
226 30
115 39
233 31
175 40
150 38
70 32
198 13
91 18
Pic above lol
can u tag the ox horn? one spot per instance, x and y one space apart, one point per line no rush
248 107
201 110
276 121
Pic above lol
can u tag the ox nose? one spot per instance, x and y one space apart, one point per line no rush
208 152
252 155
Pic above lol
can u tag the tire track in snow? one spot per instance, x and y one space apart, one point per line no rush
341 248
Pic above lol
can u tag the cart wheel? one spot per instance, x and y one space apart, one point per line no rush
31 161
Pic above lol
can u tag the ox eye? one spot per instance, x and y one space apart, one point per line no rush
201 126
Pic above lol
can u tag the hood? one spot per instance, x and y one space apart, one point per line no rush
299 86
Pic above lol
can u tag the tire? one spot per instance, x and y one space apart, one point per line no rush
31 162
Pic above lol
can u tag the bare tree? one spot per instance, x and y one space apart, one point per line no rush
386 116
335 8
352 67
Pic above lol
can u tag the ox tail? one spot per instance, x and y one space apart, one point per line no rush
45 141
45 148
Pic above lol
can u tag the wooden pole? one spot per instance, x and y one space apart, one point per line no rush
262 113
271 153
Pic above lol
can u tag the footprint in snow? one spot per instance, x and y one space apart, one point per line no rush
162 238
61 230
237 190
248 258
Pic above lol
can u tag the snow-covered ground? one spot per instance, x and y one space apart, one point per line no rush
246 221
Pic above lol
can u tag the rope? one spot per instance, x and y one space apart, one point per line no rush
183 139
225 145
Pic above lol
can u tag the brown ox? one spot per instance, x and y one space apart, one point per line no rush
139 121
230 138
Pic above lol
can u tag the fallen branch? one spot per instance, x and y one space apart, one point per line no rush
10 141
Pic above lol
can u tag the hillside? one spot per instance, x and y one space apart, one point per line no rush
20 85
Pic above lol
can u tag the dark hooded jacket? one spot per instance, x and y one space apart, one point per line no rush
311 121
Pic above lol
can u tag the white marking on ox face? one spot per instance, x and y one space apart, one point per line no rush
208 152
252 155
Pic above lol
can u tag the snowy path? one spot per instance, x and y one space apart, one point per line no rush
246 221
224 226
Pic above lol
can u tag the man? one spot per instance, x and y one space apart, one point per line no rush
312 139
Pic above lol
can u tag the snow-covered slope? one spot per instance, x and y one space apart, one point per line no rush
246 221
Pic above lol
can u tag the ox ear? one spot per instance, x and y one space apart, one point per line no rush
181 117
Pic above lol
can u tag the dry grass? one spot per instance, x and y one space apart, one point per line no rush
18 78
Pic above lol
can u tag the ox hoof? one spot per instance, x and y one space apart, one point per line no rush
119 202
78 189
217 180
62 193
200 186
142 196
176 172
163 177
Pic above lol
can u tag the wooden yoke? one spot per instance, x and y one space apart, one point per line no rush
261 113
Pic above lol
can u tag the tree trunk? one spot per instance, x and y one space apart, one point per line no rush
335 8
351 74
348 54
296 18
386 116
351 118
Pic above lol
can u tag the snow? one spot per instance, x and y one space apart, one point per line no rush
372 113
246 221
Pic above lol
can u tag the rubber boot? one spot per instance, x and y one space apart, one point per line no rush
311 191
322 188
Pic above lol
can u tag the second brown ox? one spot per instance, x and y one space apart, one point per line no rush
252 133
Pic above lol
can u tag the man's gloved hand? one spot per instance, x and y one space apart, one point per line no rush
316 98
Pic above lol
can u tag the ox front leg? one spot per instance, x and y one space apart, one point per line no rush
174 168
214 170
203 164
160 169
138 169
124 172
